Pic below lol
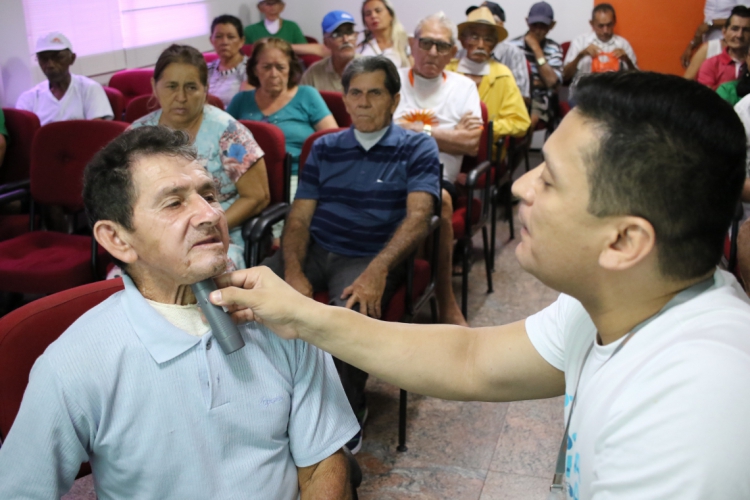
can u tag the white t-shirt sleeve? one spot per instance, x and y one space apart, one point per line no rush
27 101
546 331
679 431
95 102
630 52
576 46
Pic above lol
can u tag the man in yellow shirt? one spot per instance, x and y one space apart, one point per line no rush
497 87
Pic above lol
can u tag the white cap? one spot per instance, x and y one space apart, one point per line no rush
53 41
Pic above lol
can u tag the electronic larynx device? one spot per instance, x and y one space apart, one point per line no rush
222 327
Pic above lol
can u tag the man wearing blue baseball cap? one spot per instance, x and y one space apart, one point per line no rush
340 37
546 59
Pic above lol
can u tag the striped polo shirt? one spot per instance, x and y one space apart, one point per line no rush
361 195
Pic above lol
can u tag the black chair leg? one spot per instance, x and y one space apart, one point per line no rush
402 422
526 157
487 259
434 309
509 211
494 230
465 243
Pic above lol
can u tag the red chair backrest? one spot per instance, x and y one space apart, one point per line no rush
307 146
210 56
247 49
60 152
565 46
311 39
271 140
335 102
22 126
132 82
309 59
26 332
116 100
142 105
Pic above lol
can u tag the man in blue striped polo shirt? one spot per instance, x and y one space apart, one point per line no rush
363 204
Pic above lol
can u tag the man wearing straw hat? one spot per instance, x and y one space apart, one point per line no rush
479 35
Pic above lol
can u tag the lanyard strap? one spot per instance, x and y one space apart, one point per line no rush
680 298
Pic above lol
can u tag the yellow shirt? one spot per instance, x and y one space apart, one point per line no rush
505 105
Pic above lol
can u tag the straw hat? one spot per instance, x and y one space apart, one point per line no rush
483 17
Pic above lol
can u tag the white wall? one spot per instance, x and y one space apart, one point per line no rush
572 15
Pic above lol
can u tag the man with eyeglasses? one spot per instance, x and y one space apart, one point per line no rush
446 106
497 89
545 57
63 96
340 37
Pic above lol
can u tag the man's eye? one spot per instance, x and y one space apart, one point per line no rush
210 197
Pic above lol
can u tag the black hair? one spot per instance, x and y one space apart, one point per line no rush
108 190
604 7
672 152
295 66
739 11
182 54
227 19
372 64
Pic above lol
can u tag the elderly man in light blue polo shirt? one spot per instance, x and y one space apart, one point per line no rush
138 387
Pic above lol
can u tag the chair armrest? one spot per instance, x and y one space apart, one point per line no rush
18 194
473 176
253 228
12 186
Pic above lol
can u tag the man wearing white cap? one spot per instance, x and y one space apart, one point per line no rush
340 37
63 96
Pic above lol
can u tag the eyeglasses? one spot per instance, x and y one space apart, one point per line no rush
341 34
426 44
474 38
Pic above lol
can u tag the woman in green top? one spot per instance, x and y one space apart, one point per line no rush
273 25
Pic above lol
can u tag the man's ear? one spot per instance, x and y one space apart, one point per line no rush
115 239
630 242
396 101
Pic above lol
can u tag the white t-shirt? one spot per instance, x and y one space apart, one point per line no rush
742 109
580 43
440 102
85 99
667 416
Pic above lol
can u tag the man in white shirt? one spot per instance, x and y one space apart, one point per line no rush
600 44
446 106
63 96
649 341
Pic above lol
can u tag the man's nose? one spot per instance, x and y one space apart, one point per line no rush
523 187
203 212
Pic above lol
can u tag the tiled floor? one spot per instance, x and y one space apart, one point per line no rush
459 450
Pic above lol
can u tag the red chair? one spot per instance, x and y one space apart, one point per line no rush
310 59
565 46
247 49
26 332
142 105
271 140
117 101
210 56
412 296
132 83
14 173
335 102
47 261
472 214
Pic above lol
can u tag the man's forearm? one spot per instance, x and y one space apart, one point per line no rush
570 69
294 245
407 237
549 77
457 141
327 480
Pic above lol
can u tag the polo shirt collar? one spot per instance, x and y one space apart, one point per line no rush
389 139
162 339
725 58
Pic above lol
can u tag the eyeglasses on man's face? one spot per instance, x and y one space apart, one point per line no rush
442 47
474 38
336 35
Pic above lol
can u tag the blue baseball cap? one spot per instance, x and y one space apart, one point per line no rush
336 18
541 12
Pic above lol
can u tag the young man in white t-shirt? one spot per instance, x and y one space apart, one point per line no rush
446 106
627 218
63 96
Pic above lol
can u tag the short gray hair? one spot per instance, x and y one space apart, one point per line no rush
367 64
442 20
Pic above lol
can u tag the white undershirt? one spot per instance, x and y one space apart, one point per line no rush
468 67
273 27
186 318
368 139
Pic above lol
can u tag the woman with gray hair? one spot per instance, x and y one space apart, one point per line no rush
384 34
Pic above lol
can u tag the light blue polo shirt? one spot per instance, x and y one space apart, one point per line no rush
162 414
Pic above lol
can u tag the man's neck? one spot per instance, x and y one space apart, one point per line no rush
339 63
166 293
59 86
616 314
738 55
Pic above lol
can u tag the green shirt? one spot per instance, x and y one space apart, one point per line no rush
289 31
3 129
728 92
